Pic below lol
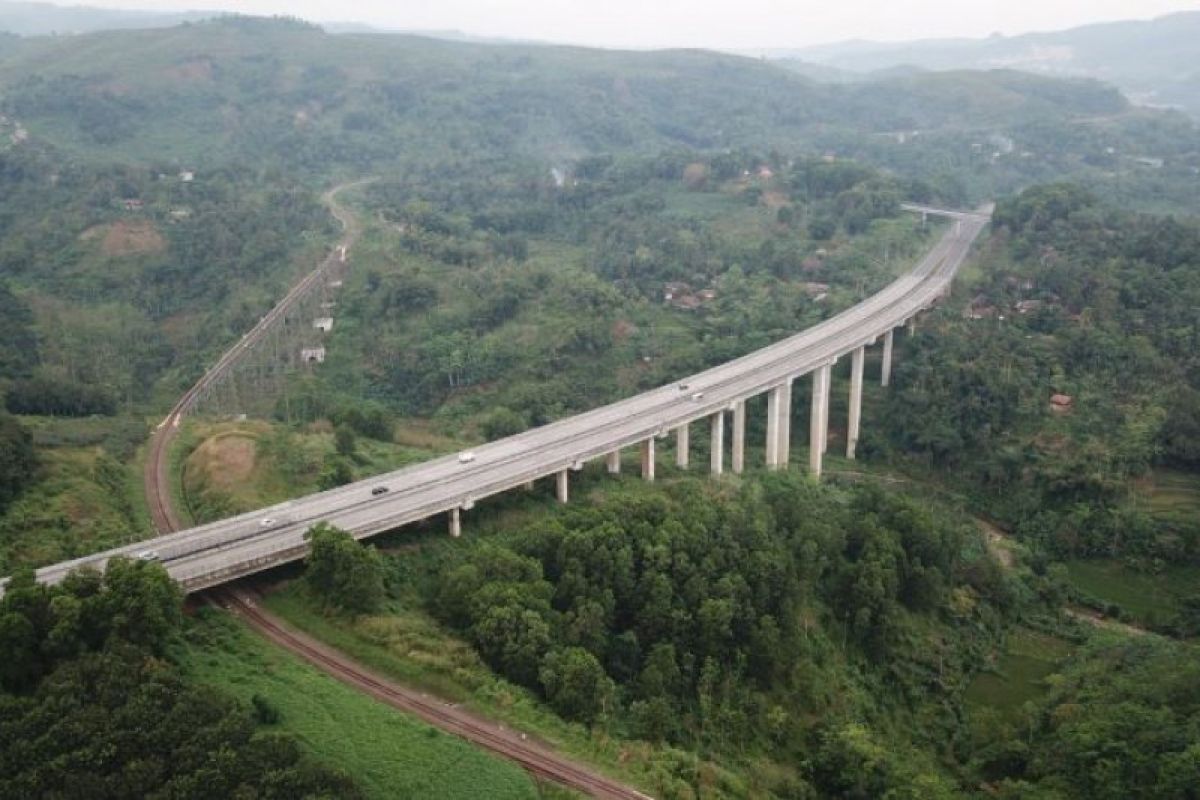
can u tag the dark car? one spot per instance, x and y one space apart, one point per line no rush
378 490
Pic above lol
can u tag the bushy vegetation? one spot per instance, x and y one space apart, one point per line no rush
18 461
89 705
763 622
1096 304
343 573
1121 720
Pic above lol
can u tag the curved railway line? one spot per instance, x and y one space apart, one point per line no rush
208 556
535 758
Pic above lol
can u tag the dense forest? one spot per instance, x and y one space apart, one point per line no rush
90 705
1086 301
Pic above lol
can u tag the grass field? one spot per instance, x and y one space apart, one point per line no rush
1146 597
1172 492
390 754
1029 658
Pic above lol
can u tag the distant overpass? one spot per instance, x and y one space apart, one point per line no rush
213 554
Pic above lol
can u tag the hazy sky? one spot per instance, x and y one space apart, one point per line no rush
697 23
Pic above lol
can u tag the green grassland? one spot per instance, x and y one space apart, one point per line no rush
231 467
390 754
1019 674
84 499
1144 597
1173 492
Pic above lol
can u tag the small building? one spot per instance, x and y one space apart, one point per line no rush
765 172
312 355
1025 306
706 295
132 204
1061 403
323 324
816 291
675 289
187 176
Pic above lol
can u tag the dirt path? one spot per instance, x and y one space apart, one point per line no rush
536 758
1098 620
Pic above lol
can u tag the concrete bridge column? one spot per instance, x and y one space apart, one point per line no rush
613 462
739 437
648 459
856 388
885 376
717 453
774 401
455 523
681 446
563 485
819 420
912 325
785 426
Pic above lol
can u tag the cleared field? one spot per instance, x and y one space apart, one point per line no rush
1173 492
1148 597
390 754
1029 658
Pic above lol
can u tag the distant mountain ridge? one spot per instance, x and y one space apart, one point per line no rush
45 19
1155 62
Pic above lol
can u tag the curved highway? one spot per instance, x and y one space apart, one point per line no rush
213 554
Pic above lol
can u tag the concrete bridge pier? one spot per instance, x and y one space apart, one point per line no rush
613 462
818 432
562 485
739 437
785 426
681 446
776 408
856 389
648 459
455 523
717 453
885 375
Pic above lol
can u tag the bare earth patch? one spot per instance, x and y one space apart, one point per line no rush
774 199
997 543
127 238
226 461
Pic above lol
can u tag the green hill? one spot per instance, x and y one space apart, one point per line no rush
286 92
1152 60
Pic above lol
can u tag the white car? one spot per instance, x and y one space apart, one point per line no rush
697 397
266 522
466 458
147 555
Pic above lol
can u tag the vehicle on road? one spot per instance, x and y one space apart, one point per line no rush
697 397
267 522
147 555
378 490
466 458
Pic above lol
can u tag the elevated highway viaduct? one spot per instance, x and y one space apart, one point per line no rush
209 555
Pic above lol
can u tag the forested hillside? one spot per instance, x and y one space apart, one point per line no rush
288 94
1082 301
1151 60
550 229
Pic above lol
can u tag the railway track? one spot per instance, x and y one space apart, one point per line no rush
537 759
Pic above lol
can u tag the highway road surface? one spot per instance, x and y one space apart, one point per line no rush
213 554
